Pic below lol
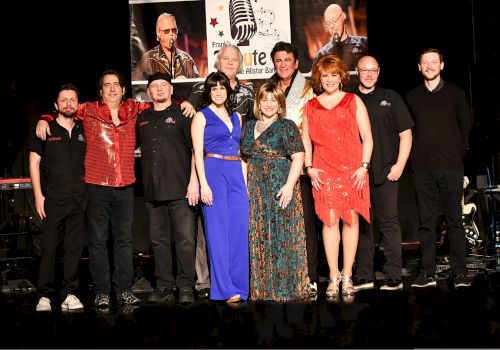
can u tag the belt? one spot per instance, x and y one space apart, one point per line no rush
220 156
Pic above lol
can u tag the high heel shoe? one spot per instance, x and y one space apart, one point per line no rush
332 291
234 299
347 289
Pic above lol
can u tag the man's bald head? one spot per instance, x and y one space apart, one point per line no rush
367 60
333 11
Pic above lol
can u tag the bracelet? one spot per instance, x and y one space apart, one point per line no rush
307 168
365 165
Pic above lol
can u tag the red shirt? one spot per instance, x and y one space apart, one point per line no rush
109 160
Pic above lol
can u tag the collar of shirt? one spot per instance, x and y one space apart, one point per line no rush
437 89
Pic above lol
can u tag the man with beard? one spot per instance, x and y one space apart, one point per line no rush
57 175
170 189
349 48
442 125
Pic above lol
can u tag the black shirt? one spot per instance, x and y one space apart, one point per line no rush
388 118
242 99
442 125
166 149
62 168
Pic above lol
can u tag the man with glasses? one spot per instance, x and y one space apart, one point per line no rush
348 48
166 57
392 138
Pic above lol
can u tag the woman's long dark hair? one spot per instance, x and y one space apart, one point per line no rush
223 80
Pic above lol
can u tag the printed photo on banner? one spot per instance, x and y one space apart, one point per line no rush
183 37
254 26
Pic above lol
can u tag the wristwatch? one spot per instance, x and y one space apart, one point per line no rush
365 165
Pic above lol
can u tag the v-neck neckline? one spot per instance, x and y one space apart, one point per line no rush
223 122
262 133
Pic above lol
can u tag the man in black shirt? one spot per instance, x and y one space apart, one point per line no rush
170 189
442 125
57 175
391 125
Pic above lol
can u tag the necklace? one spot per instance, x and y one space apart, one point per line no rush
222 114
261 126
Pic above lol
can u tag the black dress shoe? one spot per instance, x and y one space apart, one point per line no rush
204 293
186 295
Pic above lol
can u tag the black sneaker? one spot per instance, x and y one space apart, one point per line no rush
204 293
128 298
101 301
425 280
362 284
162 295
461 280
186 295
392 284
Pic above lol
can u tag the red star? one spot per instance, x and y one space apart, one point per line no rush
213 22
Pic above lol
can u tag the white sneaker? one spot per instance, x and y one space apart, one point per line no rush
44 305
71 303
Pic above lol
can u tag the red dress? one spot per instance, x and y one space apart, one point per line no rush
338 151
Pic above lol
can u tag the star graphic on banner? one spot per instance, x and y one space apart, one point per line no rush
213 22
221 33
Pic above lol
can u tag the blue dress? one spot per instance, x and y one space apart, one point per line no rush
226 221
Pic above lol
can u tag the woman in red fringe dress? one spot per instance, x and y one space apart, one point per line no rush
336 123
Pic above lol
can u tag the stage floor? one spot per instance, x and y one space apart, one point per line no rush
431 317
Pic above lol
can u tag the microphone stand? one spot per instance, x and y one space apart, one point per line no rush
172 58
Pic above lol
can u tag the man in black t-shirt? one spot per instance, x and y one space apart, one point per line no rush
170 189
57 175
391 125
442 125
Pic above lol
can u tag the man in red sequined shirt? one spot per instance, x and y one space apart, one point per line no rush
109 126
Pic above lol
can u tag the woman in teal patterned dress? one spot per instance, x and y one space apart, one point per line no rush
273 148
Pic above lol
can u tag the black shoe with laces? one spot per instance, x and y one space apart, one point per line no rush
162 295
461 280
101 301
186 295
425 280
128 298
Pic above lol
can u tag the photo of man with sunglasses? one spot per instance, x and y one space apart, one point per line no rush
166 57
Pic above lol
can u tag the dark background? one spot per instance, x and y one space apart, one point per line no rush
47 44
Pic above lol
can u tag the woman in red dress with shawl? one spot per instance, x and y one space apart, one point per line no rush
336 123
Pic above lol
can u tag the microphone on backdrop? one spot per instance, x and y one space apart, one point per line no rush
242 20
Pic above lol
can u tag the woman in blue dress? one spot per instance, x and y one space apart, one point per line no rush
216 132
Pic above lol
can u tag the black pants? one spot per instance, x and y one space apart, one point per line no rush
311 227
180 217
64 223
110 207
432 187
384 199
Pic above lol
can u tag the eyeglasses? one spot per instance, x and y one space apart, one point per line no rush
329 23
366 71
168 30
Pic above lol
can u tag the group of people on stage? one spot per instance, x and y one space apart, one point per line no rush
266 167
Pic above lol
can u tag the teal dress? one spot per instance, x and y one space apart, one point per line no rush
277 246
